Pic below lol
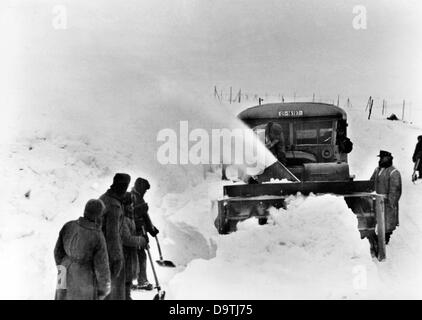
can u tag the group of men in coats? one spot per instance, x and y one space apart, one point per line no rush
100 254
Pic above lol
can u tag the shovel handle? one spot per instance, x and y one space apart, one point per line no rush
417 164
159 248
157 284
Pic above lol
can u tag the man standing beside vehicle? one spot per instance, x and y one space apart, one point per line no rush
388 182
417 159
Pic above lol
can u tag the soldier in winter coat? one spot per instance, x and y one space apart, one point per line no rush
131 244
112 229
388 182
417 154
143 225
81 257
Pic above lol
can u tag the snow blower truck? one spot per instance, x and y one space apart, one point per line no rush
316 161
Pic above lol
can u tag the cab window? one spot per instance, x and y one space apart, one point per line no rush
313 132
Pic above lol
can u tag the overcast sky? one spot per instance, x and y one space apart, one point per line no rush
112 50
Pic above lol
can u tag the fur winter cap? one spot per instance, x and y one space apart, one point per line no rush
120 184
141 185
94 209
384 153
121 178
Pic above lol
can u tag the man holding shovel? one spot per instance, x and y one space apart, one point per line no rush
131 244
142 222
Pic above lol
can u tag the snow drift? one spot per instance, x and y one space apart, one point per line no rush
303 253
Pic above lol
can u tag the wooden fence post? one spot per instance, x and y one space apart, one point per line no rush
370 109
380 216
402 112
216 95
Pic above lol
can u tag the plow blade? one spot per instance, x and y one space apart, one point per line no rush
253 200
278 189
241 202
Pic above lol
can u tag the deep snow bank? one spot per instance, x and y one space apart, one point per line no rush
303 252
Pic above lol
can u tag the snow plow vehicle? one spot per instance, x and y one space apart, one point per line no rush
316 161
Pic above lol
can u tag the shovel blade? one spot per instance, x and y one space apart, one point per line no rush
160 295
166 263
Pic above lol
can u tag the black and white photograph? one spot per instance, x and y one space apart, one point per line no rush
210 150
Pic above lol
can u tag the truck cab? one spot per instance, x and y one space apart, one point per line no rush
314 134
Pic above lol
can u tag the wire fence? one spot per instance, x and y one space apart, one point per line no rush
374 106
